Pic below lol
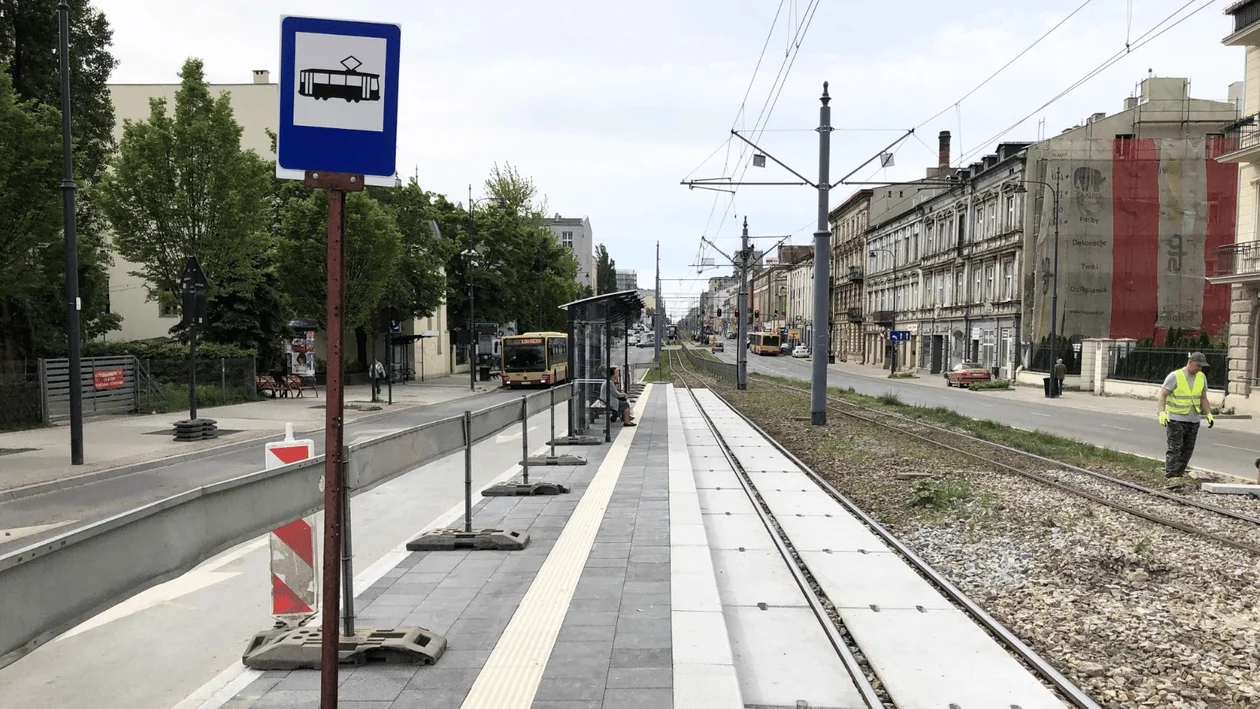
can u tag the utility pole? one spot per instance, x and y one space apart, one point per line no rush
1054 294
741 313
822 266
657 328
472 319
71 243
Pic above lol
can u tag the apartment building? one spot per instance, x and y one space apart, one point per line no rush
575 233
627 280
848 265
799 316
969 267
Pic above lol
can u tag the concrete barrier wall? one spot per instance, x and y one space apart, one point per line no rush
49 587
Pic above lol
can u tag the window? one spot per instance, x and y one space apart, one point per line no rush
566 239
976 294
940 288
958 287
1010 213
167 307
1008 278
989 293
992 218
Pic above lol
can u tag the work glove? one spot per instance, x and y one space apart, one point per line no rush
1211 420
1163 418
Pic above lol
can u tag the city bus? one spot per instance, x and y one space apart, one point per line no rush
535 359
764 343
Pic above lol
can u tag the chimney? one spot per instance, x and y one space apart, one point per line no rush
943 159
262 76
1130 103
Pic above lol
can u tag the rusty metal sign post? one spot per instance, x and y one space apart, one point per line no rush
337 184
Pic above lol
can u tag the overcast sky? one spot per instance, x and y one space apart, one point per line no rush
608 106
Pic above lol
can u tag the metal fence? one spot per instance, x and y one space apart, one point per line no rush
1152 364
57 583
107 385
20 394
163 383
1043 359
722 370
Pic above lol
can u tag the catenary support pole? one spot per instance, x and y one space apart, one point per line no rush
659 320
468 446
472 296
552 409
741 313
822 266
525 439
336 184
1054 293
389 359
69 221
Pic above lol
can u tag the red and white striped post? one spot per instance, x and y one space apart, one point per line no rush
294 582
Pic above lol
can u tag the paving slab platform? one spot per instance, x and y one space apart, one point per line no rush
584 616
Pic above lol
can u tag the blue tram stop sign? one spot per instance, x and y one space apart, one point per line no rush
338 98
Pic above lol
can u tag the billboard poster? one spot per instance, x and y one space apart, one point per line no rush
301 353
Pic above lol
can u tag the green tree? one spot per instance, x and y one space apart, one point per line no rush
30 218
605 271
180 185
417 285
372 248
519 264
28 53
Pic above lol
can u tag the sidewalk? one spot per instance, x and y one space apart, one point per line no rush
43 455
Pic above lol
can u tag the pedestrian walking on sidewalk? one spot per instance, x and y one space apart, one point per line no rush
378 374
1060 373
1182 401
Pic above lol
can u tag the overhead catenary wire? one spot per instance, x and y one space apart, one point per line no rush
1142 40
1005 66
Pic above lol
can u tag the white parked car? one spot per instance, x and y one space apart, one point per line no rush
801 352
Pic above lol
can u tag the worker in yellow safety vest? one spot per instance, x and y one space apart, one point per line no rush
1182 401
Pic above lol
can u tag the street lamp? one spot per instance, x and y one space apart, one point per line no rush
893 369
1054 292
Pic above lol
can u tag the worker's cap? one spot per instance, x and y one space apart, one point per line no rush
1198 357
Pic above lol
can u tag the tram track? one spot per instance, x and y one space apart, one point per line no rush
867 681
1153 505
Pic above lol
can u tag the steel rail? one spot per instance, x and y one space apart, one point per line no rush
795 566
1093 497
1077 696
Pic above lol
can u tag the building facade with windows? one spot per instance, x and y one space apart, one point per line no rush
627 280
969 267
800 300
1237 265
575 233
848 266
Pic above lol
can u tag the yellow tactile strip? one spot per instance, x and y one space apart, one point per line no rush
514 669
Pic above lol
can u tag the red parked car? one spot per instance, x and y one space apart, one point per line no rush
966 373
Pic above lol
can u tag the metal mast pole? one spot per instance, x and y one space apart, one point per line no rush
741 313
472 321
1054 295
657 325
71 243
822 266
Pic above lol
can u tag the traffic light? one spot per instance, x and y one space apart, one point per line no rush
719 312
757 314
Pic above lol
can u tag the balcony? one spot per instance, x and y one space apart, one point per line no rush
884 318
1235 263
1246 16
856 275
855 315
1242 140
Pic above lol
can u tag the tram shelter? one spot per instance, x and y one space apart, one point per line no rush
594 324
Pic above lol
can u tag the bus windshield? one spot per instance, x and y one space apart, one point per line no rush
770 340
524 357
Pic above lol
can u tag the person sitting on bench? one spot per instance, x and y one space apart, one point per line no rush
615 393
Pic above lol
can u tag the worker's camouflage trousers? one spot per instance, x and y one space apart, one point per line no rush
1181 438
